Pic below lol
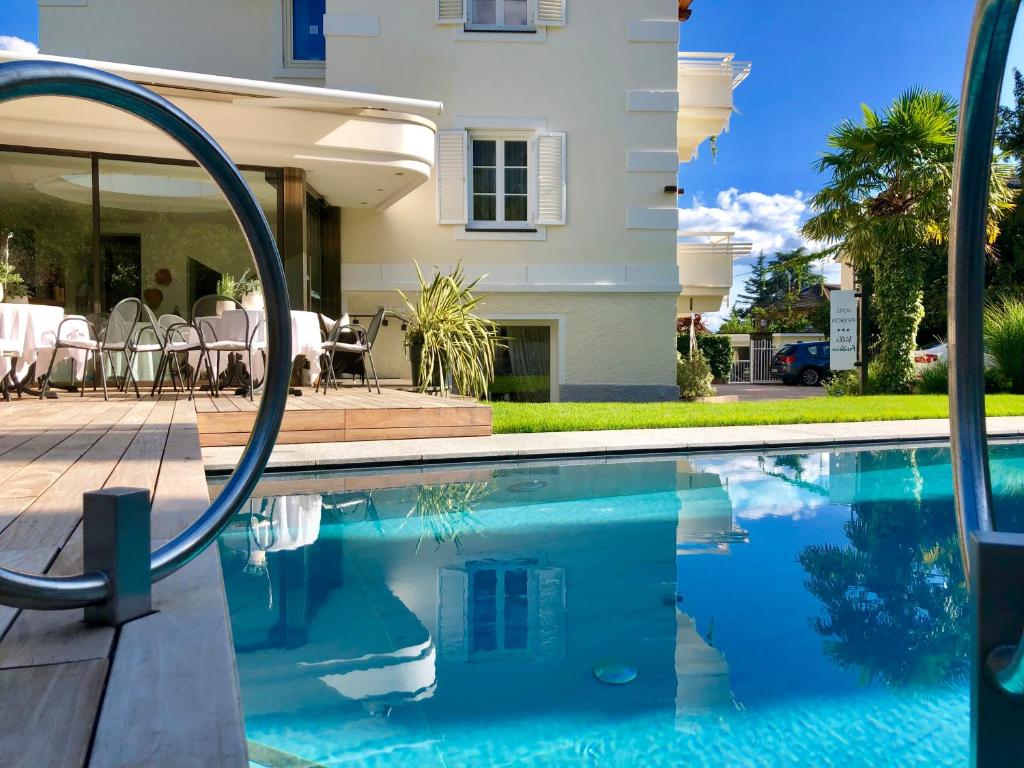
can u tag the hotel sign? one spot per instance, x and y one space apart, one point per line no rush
843 330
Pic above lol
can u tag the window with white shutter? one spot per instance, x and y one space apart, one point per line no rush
550 163
550 13
451 177
450 11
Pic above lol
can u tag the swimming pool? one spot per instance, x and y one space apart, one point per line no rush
776 609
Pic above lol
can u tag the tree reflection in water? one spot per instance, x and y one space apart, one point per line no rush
895 602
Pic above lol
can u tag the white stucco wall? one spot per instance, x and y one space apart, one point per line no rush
578 79
240 38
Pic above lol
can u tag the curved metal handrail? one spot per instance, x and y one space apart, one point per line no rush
22 79
986 60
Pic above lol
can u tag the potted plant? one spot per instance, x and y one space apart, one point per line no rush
11 283
449 345
245 289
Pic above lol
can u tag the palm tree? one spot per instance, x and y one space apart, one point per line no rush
887 200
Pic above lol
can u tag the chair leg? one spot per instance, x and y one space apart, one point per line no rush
49 371
101 371
252 376
373 370
129 374
158 376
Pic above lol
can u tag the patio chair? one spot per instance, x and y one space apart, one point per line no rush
203 311
84 335
361 345
178 337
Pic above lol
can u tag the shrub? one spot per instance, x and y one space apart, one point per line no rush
716 348
934 379
1004 338
693 375
843 384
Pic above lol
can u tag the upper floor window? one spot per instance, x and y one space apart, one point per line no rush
500 185
501 180
306 34
509 15
501 15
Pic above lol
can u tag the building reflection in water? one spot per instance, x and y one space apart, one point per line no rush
377 593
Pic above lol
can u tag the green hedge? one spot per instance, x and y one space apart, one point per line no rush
716 348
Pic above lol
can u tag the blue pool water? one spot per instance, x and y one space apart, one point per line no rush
777 610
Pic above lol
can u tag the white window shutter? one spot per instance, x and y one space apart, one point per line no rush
550 627
450 11
551 13
451 177
452 588
551 178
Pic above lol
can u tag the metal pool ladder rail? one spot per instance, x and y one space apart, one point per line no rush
117 584
993 561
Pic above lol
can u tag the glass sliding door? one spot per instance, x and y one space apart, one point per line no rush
52 242
167 235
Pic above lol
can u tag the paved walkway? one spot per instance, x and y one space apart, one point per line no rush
548 444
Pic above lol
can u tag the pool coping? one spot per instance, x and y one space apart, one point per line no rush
541 445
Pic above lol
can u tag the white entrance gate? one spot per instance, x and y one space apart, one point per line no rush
761 353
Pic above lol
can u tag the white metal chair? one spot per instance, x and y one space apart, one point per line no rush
78 332
361 345
205 308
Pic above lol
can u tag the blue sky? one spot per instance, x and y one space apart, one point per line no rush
814 63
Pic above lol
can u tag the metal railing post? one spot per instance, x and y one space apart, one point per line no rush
42 77
115 542
993 561
997 590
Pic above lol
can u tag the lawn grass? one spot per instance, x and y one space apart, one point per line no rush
584 417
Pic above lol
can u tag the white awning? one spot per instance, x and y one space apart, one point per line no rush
360 150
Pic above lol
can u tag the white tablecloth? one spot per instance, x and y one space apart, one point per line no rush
33 330
306 340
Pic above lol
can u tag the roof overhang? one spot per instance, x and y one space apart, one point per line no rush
359 150
706 82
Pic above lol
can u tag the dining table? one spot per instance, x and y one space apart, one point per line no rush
31 329
234 324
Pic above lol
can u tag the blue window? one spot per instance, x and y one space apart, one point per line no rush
308 30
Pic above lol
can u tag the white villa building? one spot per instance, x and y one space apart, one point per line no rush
538 142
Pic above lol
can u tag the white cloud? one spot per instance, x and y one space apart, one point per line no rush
771 222
17 45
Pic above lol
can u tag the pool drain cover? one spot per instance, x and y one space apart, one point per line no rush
527 485
612 673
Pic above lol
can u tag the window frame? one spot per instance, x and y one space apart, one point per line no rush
499 14
501 651
288 40
500 224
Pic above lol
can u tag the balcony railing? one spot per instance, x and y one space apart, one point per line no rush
705 64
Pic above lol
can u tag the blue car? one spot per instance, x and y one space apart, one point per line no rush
806 362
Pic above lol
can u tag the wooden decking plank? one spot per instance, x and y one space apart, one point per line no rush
39 444
30 561
47 713
54 637
181 494
173 684
54 515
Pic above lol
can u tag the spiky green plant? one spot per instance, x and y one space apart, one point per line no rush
446 511
237 288
887 201
1004 338
458 345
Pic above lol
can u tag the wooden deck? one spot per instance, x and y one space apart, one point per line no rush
344 415
162 690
